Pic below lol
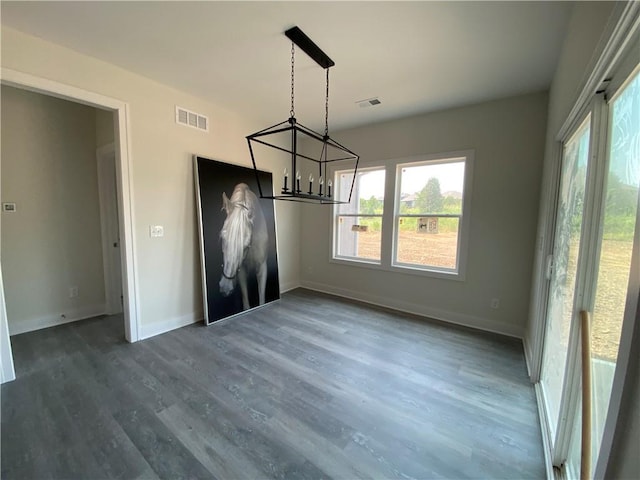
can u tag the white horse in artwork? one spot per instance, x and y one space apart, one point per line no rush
244 243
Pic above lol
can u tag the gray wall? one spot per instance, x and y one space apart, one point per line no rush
53 241
508 139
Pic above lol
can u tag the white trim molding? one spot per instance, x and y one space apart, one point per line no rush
544 430
152 329
528 357
478 323
54 319
288 286
7 372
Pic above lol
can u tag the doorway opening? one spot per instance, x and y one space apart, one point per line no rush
124 206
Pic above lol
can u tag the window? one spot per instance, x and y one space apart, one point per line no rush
428 214
422 230
358 227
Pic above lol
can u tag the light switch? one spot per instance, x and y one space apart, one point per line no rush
156 231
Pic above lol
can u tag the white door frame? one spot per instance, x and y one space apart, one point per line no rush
124 179
7 372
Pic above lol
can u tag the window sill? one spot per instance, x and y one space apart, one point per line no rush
406 270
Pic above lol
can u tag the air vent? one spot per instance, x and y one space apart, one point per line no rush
191 119
369 102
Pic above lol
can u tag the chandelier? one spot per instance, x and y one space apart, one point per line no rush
312 158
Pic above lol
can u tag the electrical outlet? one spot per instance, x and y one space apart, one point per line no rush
73 292
156 231
495 303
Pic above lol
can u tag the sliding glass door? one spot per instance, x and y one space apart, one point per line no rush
620 220
596 219
563 269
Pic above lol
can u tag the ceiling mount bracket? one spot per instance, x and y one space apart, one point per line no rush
307 45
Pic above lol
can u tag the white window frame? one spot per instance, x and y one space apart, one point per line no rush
391 206
336 215
435 160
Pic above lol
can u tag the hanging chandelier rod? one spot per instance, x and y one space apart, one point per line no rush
301 160
298 37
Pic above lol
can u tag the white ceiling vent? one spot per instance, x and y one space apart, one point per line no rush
191 119
369 102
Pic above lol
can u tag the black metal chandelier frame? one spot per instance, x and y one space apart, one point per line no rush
297 132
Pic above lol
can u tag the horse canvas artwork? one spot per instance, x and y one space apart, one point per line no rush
237 239
244 243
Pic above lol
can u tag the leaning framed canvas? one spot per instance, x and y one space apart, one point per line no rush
237 239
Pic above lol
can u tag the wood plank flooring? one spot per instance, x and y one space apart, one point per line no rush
309 387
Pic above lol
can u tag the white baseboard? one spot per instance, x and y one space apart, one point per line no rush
546 433
51 320
152 329
527 355
285 287
418 309
158 328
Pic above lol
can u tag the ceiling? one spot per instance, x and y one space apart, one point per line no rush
414 56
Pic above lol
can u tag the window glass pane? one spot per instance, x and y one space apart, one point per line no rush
428 241
429 214
566 247
432 188
358 237
368 191
619 224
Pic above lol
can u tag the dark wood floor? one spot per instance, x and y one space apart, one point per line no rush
310 387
